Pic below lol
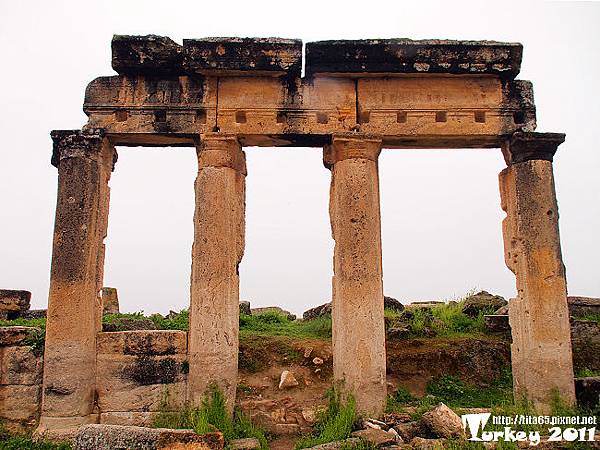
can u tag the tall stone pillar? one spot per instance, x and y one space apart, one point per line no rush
357 312
85 161
217 251
539 317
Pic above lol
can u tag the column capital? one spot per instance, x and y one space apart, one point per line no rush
221 150
526 146
351 146
78 144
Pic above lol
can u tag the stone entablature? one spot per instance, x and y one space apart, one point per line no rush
411 93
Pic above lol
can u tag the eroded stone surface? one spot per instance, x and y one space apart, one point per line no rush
110 300
13 303
150 54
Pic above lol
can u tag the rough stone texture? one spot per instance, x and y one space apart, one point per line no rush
10 336
20 403
244 444
399 56
129 324
585 335
419 443
216 253
151 54
287 380
85 161
582 306
110 300
497 323
482 301
138 371
111 437
245 307
252 56
34 314
588 392
336 445
539 317
357 315
377 438
523 146
325 309
20 365
13 303
443 422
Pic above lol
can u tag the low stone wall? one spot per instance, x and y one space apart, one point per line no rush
140 373
21 368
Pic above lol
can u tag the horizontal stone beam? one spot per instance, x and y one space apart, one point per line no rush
159 55
409 111
402 56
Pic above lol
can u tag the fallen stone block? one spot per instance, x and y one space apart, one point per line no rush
443 422
13 303
15 336
378 438
111 437
244 444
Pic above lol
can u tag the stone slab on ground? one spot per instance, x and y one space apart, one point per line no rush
244 444
111 437
378 438
443 422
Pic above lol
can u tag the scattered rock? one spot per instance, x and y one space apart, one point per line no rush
317 361
244 444
443 422
496 323
13 303
110 300
347 443
373 423
110 437
582 306
427 444
287 380
245 307
378 438
307 352
587 391
408 430
317 311
503 310
393 419
310 415
482 301
128 324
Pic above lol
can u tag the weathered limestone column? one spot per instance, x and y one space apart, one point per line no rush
357 313
85 161
217 251
539 316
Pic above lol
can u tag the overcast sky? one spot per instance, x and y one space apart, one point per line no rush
441 217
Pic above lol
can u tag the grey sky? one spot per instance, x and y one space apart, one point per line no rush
441 217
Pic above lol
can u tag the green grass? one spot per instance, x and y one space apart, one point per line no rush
13 441
212 416
275 324
592 317
333 424
585 372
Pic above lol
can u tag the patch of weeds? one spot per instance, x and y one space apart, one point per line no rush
333 424
400 398
178 321
13 441
592 317
212 415
362 445
272 323
244 389
585 372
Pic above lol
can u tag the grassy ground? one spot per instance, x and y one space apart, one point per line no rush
11 441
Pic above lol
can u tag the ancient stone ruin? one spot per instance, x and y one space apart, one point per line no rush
355 99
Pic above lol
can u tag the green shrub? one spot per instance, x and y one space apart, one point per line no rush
13 441
333 424
585 372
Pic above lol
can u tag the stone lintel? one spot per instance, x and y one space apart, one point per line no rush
77 144
239 56
528 146
221 150
150 54
406 56
351 146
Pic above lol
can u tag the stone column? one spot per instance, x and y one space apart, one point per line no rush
539 315
217 251
357 312
85 161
